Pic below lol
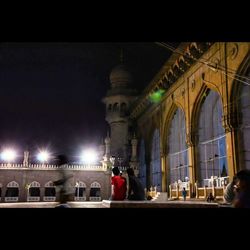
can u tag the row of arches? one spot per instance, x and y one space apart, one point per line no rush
208 138
117 107
34 191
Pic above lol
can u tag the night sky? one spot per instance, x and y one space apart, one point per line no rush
51 93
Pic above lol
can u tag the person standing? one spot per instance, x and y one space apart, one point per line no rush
184 194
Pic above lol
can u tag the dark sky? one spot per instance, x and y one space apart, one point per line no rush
50 93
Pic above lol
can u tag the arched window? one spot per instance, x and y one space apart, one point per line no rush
155 164
80 191
95 192
116 107
177 154
212 159
123 108
49 192
109 107
244 126
34 191
142 164
12 191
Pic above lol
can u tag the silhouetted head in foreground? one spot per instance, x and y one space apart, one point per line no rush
242 189
242 180
116 171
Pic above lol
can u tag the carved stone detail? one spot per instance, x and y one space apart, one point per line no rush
234 51
229 122
183 92
214 64
189 139
193 84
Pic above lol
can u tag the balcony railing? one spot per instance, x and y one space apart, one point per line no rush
92 198
49 198
33 198
52 167
11 199
83 198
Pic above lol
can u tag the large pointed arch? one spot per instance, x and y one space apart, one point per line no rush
209 137
240 115
194 125
166 126
155 162
177 157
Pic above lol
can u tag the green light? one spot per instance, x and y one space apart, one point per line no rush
156 96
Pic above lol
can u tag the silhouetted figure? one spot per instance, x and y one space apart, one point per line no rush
149 197
63 182
119 185
229 193
242 189
136 190
210 197
238 190
184 193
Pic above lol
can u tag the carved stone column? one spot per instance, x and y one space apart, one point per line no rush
230 123
164 173
133 161
191 159
26 159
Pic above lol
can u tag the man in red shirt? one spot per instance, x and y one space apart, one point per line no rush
119 185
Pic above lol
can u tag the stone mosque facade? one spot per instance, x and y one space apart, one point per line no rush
190 127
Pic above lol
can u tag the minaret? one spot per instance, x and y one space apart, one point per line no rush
107 148
101 150
134 143
106 157
118 100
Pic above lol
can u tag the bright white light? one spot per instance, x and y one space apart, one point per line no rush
89 156
8 155
43 156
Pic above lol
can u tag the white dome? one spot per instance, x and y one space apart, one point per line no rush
120 76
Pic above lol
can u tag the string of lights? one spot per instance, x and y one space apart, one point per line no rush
208 64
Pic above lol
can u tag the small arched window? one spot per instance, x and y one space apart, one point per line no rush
123 108
49 192
12 191
95 192
34 189
116 107
80 191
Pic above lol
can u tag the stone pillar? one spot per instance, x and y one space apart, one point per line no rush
229 122
102 150
134 143
164 174
107 147
26 159
133 161
191 161
106 158
230 149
